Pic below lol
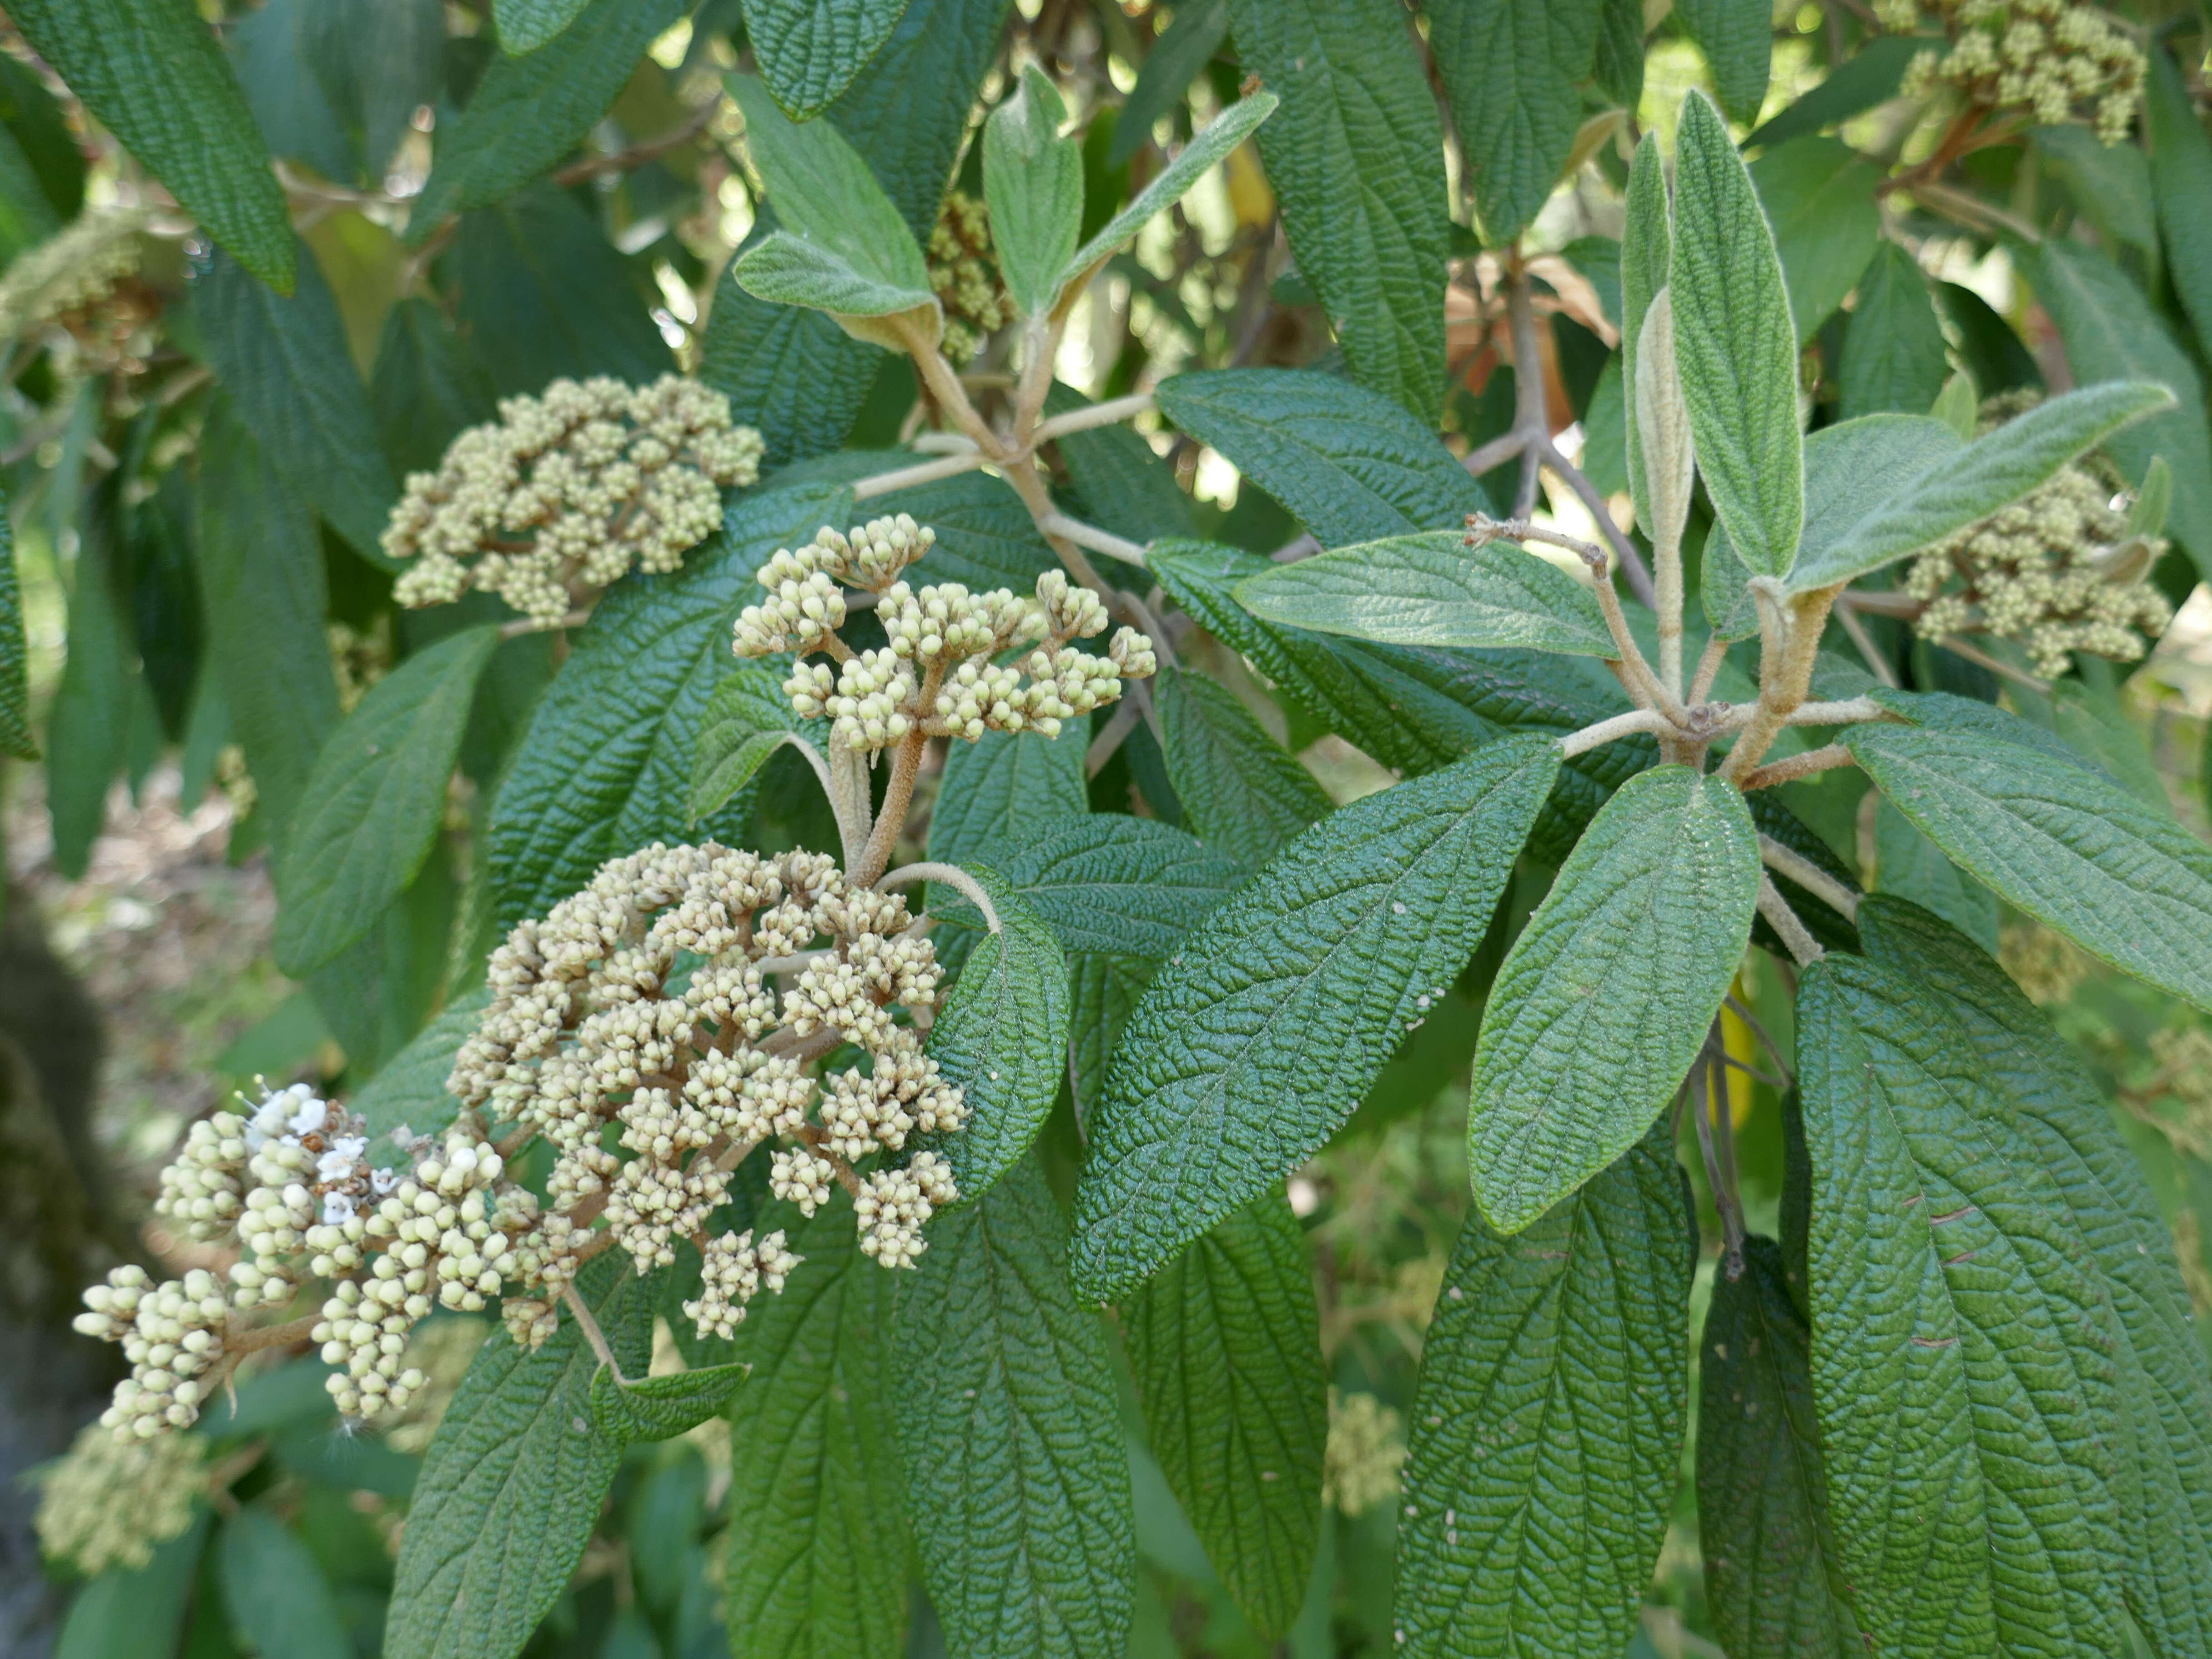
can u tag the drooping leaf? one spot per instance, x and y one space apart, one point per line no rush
1189 43
377 62
1433 589
1647 244
2181 185
374 801
1114 886
88 726
1002 1039
529 112
1818 195
662 1407
1618 68
1513 69
791 271
1240 792
1762 1492
511 1482
424 387
748 719
1911 867
1357 161
1349 464
1736 346
1033 183
1003 791
270 51
1737 37
810 50
33 118
1608 994
2163 1449
1015 1470
136 1613
1225 1347
1547 1427
15 737
277 1596
1261 1034
1895 356
819 1551
154 75
1868 76
524 25
2063 843
1958 1343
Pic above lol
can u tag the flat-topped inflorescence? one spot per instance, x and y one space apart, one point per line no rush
2049 57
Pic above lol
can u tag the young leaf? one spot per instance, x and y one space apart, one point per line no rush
276 1591
1350 464
819 1552
790 373
810 50
1433 589
1895 356
1956 487
1033 183
1225 1347
1958 1346
1358 163
1737 39
662 1407
155 76
1184 48
1001 793
1647 244
2164 1446
2063 843
523 26
1114 886
1240 792
1547 1427
375 800
1263 1031
1015 1470
748 719
529 112
15 682
1762 1493
1002 1039
1607 996
1819 196
512 1481
1513 69
1736 346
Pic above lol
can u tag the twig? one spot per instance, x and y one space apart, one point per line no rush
795 963
2002 670
952 876
1786 861
624 161
1848 615
1724 1134
1802 946
1825 758
1110 738
898 795
1644 683
592 1333
1709 668
1090 536
1736 1007
906 477
1701 1108
521 625
1752 1071
1613 730
1109 413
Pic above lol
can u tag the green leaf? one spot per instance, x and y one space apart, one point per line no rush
1895 356
277 1596
2112 333
136 1613
1184 48
1351 465
1002 1038
523 26
409 1090
15 737
1819 194
662 1407
1734 341
1737 39
1956 487
2068 846
1513 69
1261 1034
1647 255
819 1553
1958 1347
1240 792
1001 792
1608 993
1433 589
791 373
810 51
2108 185
1225 1347
1114 478
425 386
1175 181
511 1482
748 719
2163 1445
1102 992
787 270
1015 1470
1357 163
377 62
1970 717
33 118
374 801
1618 68
1868 76
1911 867
1547 1427
271 52
529 112
606 764
1762 1493
1033 184
2181 185
1114 886
154 75
87 727
2154 500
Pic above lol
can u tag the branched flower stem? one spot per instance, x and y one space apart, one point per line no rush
952 876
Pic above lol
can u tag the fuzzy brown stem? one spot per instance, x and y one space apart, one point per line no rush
1826 757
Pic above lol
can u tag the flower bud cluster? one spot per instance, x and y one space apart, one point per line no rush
564 492
937 673
736 1270
965 277
2050 57
173 1333
2056 570
107 1503
1366 1449
73 271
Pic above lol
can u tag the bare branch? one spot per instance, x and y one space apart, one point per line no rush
1090 536
906 477
1109 413
1613 730
1825 758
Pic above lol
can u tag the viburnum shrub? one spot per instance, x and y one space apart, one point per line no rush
875 1084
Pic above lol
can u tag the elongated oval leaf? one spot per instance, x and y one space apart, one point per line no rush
1262 1033
1762 1490
748 719
1113 884
526 24
1226 1345
1433 589
136 1613
511 1482
1015 1470
1002 791
2181 185
1647 253
810 51
1819 194
1033 182
1240 792
1958 1343
1737 40
787 270
15 682
1002 1039
1209 145
374 801
1895 356
2065 844
1548 1428
1735 345
1513 69
276 1591
1605 997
